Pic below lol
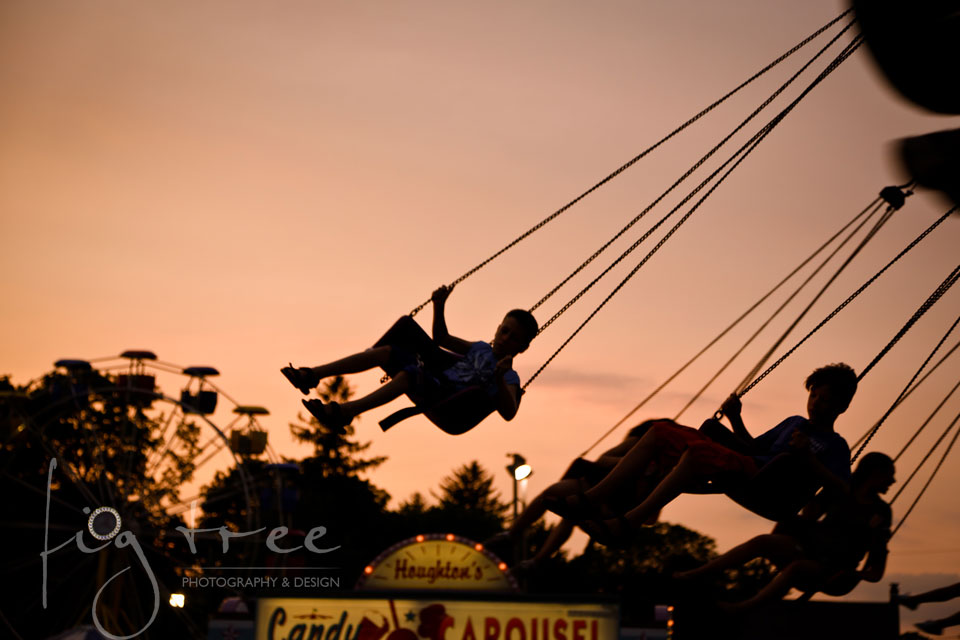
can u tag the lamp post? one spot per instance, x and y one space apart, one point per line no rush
519 470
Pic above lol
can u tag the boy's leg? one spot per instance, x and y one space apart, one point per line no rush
786 579
628 469
535 510
936 627
701 461
538 507
397 386
558 535
775 547
685 473
941 594
369 359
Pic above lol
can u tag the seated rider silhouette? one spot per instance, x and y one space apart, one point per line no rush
687 458
822 548
581 475
484 364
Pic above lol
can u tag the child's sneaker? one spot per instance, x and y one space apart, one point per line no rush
303 378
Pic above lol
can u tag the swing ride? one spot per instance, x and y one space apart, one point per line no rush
459 413
168 425
782 488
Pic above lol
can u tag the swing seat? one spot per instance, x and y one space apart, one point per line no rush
933 161
454 414
840 583
914 44
779 489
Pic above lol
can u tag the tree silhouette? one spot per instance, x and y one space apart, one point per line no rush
414 506
337 453
110 452
324 489
467 505
468 502
471 487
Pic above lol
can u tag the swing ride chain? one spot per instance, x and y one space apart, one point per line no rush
752 143
634 160
696 190
683 177
912 386
930 479
850 299
895 197
884 218
934 297
877 202
783 336
687 174
933 448
745 150
663 195
916 434
929 302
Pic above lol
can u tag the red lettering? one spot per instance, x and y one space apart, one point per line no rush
533 629
593 630
559 629
491 629
468 633
578 627
546 629
515 624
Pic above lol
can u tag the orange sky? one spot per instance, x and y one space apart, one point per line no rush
243 185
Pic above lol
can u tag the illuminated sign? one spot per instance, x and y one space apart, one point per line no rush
432 619
440 561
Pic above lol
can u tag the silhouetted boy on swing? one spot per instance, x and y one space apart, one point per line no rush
688 458
821 549
414 370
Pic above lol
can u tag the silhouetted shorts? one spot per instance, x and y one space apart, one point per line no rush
673 440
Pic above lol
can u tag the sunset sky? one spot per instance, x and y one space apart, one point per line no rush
244 184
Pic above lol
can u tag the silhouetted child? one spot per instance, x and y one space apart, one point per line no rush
485 364
822 548
579 476
689 458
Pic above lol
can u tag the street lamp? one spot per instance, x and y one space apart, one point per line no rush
519 470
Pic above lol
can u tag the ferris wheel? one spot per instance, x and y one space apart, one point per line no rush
100 467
